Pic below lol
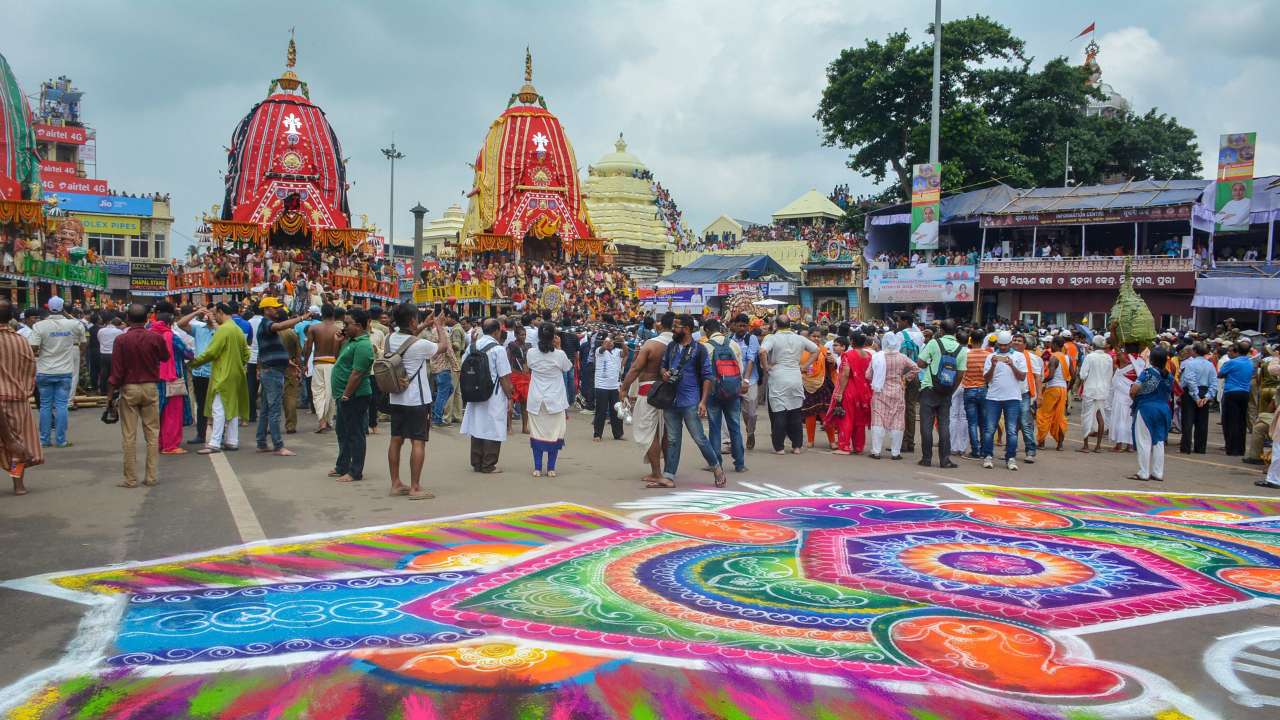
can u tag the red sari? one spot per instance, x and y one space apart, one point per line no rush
856 401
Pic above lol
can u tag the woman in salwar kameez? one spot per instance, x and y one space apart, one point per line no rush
1152 417
888 374
173 384
818 385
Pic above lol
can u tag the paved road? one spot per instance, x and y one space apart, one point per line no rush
75 517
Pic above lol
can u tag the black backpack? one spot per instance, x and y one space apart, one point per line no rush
475 379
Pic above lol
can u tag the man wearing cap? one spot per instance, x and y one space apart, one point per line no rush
56 341
273 361
1004 371
1095 374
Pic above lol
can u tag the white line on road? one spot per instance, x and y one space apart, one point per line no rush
241 511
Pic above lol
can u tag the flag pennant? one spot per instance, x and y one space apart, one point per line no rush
1085 31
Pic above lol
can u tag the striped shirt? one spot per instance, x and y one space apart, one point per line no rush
17 366
973 372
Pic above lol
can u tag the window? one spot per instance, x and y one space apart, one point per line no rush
160 250
1170 322
138 247
107 245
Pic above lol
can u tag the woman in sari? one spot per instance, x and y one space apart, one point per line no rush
1152 417
818 384
1129 364
853 396
888 374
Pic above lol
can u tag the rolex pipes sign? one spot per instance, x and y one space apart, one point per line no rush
1233 192
926 188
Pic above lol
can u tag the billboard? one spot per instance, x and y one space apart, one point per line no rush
1087 280
923 283
1091 216
675 295
108 225
926 190
1233 192
64 184
53 168
103 204
61 134
151 278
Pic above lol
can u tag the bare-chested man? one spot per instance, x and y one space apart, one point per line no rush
325 338
647 420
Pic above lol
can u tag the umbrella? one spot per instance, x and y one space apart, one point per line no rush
770 302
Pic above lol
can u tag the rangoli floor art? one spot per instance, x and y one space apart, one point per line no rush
757 603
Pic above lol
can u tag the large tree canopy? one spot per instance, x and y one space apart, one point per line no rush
1000 120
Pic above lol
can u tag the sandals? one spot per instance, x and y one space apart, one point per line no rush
660 485
208 451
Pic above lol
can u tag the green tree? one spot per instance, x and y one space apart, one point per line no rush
999 121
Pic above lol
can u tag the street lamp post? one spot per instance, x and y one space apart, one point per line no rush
393 155
935 118
418 213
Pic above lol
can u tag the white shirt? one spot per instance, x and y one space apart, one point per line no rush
608 369
1003 385
415 358
926 235
1235 213
1037 369
488 420
58 338
254 322
786 386
1096 373
546 380
1059 378
107 338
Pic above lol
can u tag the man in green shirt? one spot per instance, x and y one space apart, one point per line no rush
935 402
352 388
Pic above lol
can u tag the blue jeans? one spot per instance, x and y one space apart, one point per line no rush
1028 425
271 380
55 393
730 413
568 386
687 416
444 390
975 402
1012 411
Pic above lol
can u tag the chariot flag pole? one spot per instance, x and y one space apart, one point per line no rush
1086 31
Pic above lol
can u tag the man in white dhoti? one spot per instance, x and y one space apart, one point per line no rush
646 420
1129 364
486 422
780 357
1095 373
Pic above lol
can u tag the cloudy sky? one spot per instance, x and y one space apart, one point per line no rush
717 97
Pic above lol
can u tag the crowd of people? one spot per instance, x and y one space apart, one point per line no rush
817 236
945 391
669 213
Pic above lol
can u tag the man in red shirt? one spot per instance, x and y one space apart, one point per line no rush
135 372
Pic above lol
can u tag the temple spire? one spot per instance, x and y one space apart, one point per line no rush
528 65
292 55
527 93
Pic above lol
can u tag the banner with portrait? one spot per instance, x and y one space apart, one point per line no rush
926 190
923 283
1233 192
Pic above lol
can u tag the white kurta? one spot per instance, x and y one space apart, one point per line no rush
1120 414
786 384
488 420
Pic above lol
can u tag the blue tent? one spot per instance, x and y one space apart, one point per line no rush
726 268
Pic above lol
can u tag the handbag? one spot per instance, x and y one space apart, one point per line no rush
663 394
175 388
111 414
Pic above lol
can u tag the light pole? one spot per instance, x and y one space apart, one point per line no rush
418 213
935 119
393 155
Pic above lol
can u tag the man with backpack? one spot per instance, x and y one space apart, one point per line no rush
727 390
687 365
485 384
943 361
401 371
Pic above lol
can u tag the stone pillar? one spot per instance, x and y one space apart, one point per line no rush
418 213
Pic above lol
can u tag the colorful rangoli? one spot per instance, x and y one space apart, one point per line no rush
974 602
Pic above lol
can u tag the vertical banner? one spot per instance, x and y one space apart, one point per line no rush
1234 188
926 189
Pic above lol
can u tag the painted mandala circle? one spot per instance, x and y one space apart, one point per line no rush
990 564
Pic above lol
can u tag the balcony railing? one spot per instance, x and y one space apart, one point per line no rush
59 271
1037 266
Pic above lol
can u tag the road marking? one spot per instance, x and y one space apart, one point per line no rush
1246 468
940 477
241 511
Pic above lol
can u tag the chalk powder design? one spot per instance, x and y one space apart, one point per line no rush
763 602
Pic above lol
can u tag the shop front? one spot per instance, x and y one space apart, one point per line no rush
1069 290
